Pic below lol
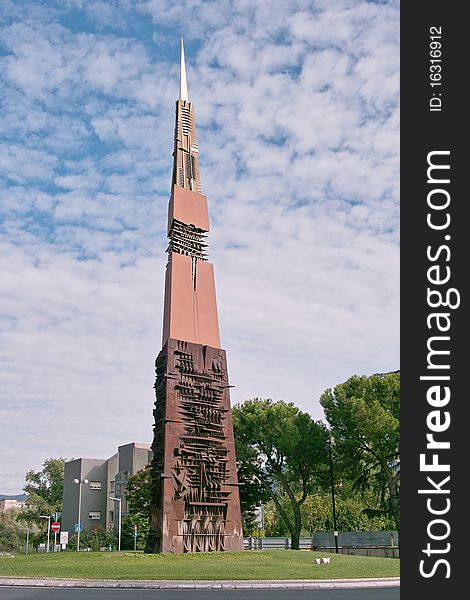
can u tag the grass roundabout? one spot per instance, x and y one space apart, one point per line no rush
271 564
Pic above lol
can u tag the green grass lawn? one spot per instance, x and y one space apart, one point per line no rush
271 564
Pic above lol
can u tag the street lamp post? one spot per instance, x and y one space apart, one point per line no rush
332 483
79 483
48 528
119 500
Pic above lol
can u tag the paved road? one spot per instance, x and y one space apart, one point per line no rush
23 593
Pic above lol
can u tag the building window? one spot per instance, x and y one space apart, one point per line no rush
111 516
111 486
95 485
94 514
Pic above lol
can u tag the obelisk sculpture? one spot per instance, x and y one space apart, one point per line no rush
195 505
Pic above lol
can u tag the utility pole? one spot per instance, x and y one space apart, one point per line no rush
332 482
79 483
48 528
119 500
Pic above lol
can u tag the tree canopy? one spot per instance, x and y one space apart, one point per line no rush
364 415
45 488
13 528
48 483
317 514
283 450
138 493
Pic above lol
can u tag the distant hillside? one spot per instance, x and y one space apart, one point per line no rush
19 497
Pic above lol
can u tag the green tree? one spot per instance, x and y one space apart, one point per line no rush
284 450
127 533
97 537
274 526
138 499
351 514
317 514
45 489
252 493
13 527
364 415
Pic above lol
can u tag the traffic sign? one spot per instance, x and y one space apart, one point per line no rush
64 537
55 526
78 526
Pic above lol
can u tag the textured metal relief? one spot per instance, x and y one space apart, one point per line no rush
186 151
154 540
187 239
197 469
201 468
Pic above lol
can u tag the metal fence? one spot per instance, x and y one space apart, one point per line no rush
363 543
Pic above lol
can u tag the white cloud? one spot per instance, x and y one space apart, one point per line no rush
297 111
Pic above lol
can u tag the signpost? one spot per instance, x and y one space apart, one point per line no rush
55 528
64 539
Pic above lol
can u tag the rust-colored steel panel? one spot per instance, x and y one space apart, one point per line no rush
188 207
195 499
195 503
190 310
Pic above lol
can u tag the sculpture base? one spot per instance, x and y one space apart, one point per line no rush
195 505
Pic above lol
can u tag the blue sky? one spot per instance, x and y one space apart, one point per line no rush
298 125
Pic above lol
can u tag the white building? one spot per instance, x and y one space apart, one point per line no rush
9 503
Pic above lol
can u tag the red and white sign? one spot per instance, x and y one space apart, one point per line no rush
55 526
64 538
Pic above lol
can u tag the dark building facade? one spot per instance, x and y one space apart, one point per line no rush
103 479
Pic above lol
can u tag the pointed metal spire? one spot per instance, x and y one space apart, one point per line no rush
183 82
